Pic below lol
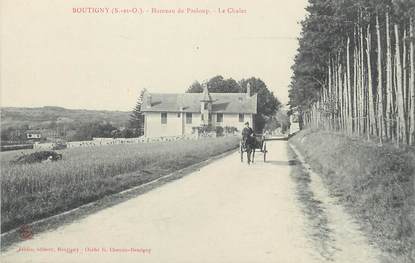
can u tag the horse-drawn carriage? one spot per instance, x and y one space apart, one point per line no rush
250 145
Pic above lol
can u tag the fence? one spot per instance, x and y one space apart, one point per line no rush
113 141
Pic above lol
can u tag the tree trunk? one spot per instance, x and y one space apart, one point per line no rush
340 92
349 90
389 106
355 89
381 121
404 89
362 83
401 127
329 105
370 115
411 82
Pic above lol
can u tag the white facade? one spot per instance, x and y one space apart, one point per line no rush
232 120
176 123
173 114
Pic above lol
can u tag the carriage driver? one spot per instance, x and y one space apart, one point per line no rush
247 133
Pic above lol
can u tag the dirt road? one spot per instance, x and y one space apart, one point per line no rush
226 212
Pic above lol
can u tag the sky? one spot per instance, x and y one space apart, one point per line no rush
93 58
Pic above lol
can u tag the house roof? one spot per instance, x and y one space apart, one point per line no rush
190 102
33 131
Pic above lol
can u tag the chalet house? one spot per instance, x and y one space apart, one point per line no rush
177 114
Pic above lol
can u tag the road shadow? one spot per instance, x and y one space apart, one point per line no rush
285 138
284 163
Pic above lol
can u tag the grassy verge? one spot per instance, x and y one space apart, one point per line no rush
377 184
34 191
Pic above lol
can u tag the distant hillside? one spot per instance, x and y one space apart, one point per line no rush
42 117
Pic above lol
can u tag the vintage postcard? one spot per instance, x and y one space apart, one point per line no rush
207 131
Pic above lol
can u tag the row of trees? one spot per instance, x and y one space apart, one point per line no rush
363 80
76 131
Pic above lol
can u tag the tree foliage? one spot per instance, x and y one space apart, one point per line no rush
324 33
354 68
268 103
196 87
217 84
87 131
136 118
279 120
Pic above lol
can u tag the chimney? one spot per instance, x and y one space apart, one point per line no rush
248 90
148 101
206 95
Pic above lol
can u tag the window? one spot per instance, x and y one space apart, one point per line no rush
205 106
219 117
189 118
241 117
164 118
210 117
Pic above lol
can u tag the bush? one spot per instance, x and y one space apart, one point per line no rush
37 157
204 129
219 131
229 129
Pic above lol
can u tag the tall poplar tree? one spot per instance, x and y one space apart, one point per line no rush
136 117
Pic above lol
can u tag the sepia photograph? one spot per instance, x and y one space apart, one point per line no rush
187 131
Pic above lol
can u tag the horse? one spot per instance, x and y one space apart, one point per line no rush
248 146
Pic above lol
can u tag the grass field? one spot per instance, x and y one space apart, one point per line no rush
377 184
35 191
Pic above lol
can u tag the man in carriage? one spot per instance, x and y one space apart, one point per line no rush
247 135
250 143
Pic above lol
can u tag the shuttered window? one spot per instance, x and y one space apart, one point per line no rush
164 118
189 118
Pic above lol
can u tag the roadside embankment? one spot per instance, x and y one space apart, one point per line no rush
375 183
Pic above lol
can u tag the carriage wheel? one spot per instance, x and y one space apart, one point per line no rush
265 152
